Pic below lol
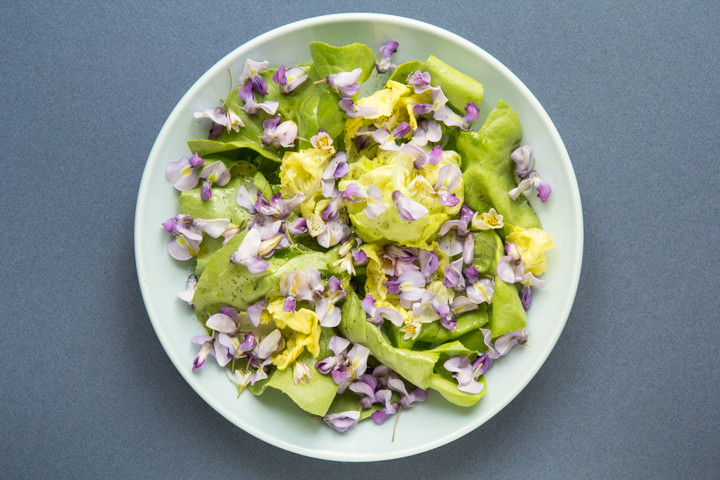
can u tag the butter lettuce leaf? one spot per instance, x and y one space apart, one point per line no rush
436 333
508 313
448 388
225 284
457 87
489 172
328 59
416 367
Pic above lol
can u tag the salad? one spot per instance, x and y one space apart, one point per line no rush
353 248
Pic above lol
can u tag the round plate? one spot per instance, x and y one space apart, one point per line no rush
272 417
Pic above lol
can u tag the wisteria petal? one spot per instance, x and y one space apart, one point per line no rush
182 174
388 313
387 50
297 226
353 110
522 158
246 197
255 310
342 421
354 193
178 251
420 81
526 296
408 209
447 199
374 206
248 248
504 343
189 292
543 190
338 344
222 323
327 313
270 344
214 227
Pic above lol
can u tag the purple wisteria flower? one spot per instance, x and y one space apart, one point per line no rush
480 290
183 173
247 253
374 204
379 314
223 323
216 173
408 210
220 344
454 278
359 256
297 226
502 346
447 317
466 373
251 106
528 281
259 356
385 139
387 50
427 131
342 421
254 311
328 234
189 292
455 237
305 285
346 83
523 159
337 168
289 79
449 177
221 117
353 110
188 234
511 268
276 133
529 178
251 72
411 285
344 368
328 314
533 180
420 81
277 207
438 104
379 387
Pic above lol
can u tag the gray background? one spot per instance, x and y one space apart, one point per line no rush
630 391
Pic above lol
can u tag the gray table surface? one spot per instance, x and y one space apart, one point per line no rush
631 389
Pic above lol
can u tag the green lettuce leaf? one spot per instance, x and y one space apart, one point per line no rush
328 59
225 284
436 333
404 69
488 250
457 87
448 388
489 172
508 313
415 367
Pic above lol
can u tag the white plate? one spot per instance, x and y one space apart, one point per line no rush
272 417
